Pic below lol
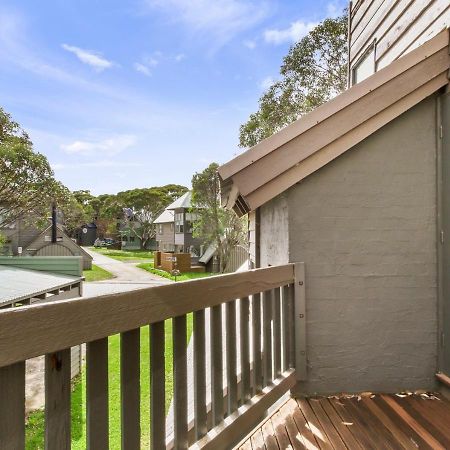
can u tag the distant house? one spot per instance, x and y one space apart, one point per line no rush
165 231
128 229
86 234
178 236
30 240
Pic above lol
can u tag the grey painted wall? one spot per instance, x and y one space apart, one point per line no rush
365 226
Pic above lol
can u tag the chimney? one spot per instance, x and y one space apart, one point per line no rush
54 223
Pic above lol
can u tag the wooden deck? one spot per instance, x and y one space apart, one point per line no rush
356 422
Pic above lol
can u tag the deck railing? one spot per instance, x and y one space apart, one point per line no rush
263 333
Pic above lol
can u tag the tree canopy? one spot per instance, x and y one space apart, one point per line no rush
143 206
135 209
27 183
214 224
313 72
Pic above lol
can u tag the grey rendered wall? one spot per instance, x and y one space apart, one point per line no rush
365 226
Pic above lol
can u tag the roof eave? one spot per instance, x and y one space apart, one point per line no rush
284 159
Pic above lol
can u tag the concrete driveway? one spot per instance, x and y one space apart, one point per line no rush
127 277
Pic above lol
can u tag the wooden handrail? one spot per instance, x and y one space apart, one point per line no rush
261 307
54 326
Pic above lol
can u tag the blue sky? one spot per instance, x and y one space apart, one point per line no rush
121 94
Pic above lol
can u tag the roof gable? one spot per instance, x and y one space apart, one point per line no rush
165 217
284 159
182 202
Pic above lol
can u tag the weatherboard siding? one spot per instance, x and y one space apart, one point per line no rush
166 238
394 27
61 265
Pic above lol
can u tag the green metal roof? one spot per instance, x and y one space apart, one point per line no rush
20 284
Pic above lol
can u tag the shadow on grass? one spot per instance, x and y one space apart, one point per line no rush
36 420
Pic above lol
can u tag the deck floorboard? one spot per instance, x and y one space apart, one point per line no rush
403 421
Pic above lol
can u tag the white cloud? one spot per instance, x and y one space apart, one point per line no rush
148 63
179 57
139 67
335 8
250 44
93 165
88 57
222 19
152 61
21 49
106 147
266 83
293 33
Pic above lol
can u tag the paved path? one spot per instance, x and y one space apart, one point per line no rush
127 277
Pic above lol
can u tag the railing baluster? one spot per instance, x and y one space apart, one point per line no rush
276 333
216 365
130 389
180 408
291 313
157 387
286 321
256 344
12 406
199 374
57 400
267 337
230 309
245 349
97 394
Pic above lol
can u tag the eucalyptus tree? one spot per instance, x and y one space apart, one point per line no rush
214 224
313 72
27 183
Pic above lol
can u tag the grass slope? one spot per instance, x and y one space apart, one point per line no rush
182 277
125 255
35 424
97 274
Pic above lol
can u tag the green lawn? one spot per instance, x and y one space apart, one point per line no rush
97 274
125 255
35 424
182 277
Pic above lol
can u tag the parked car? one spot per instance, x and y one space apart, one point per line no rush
107 242
99 243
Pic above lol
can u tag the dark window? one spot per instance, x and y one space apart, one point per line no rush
179 223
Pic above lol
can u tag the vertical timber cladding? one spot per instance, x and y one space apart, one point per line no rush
274 232
445 236
365 227
393 27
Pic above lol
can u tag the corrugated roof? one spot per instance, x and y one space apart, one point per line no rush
19 284
282 160
165 217
209 253
182 202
